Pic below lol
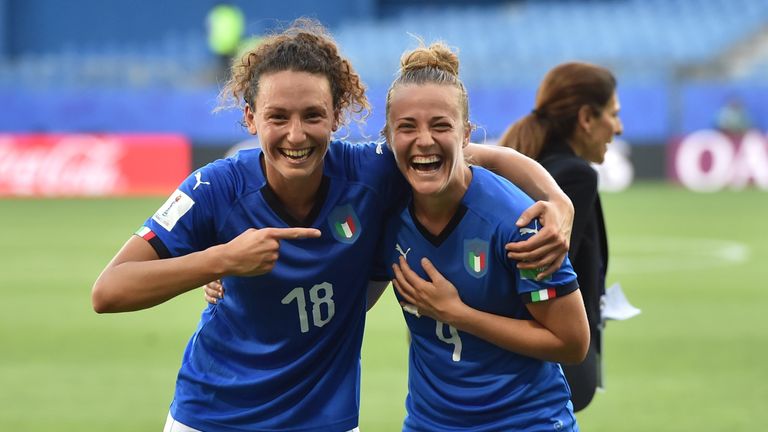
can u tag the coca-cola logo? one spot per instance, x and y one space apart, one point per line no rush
59 165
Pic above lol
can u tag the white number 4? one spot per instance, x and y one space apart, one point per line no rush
320 294
454 339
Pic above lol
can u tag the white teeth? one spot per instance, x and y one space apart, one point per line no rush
426 159
296 153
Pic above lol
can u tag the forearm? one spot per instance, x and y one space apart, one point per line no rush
526 337
521 170
140 284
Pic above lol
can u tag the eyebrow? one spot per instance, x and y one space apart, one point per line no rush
318 107
432 119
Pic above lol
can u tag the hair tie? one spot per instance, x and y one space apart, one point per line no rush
539 114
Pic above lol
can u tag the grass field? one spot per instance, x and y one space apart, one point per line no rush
694 360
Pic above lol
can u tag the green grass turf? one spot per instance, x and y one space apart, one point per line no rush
693 360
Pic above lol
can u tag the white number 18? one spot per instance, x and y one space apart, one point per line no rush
320 294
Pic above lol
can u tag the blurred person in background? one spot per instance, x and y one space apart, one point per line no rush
733 117
291 229
225 25
486 336
576 116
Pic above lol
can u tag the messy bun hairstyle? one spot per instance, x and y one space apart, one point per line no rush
433 64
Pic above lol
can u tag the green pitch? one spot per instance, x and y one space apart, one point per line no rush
693 360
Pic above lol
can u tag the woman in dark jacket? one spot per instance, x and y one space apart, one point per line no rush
575 118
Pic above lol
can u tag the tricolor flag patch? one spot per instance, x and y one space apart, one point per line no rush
346 228
344 224
543 295
145 233
476 257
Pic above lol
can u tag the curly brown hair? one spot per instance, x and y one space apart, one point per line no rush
305 46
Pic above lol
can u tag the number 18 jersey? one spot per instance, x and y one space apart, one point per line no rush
280 351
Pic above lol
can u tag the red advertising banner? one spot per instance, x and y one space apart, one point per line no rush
54 165
710 160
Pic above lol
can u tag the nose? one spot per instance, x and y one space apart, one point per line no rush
424 137
296 133
619 128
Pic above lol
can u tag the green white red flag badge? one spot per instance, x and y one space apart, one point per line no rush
344 224
543 294
476 257
145 233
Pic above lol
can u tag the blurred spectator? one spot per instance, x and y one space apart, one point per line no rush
225 24
733 117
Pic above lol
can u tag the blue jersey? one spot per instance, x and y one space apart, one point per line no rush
281 351
457 381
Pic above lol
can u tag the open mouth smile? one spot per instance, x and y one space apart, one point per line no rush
426 164
297 154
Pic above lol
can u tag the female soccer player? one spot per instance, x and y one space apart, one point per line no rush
291 229
486 336
575 118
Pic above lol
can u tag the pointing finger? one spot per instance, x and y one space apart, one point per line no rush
294 233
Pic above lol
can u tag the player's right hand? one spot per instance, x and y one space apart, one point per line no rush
255 251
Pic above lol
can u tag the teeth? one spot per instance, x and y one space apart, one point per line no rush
426 159
296 153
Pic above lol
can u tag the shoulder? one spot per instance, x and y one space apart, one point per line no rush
371 164
570 168
230 177
349 156
495 198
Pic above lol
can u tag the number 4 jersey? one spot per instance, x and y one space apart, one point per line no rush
280 351
458 381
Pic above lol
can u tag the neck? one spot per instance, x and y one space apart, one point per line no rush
435 211
297 195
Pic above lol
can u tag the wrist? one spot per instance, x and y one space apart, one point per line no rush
215 259
456 315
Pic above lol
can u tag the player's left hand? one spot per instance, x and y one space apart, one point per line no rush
213 291
547 249
436 299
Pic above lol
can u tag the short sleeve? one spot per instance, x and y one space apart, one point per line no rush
558 284
187 221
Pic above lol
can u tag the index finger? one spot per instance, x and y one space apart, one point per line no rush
536 241
410 276
531 213
294 233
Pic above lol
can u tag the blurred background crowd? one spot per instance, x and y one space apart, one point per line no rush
693 74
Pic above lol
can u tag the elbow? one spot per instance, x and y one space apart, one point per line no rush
576 351
99 303
100 299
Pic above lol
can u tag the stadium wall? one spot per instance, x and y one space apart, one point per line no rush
94 23
651 114
668 135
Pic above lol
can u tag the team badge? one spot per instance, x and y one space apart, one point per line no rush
344 224
476 257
